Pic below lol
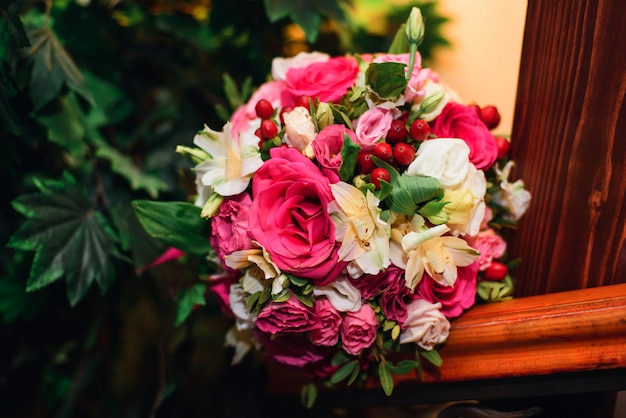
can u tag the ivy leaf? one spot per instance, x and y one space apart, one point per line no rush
178 224
15 302
387 79
123 165
69 237
399 45
52 68
305 13
66 126
187 299
12 33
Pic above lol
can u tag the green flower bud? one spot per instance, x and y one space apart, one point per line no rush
431 102
414 31
324 115
196 155
212 205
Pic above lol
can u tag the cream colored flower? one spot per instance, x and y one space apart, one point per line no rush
299 128
232 164
426 325
363 235
254 257
342 295
512 196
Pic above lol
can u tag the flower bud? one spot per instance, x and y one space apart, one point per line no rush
212 205
323 115
414 31
196 155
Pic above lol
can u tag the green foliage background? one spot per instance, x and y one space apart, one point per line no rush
94 99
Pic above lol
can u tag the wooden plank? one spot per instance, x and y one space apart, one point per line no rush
566 332
569 143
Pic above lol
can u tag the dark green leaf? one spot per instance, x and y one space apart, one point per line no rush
432 356
70 239
386 380
52 68
298 281
187 299
111 104
399 44
66 127
339 358
387 79
15 302
349 155
403 366
344 371
123 165
178 224
308 395
12 34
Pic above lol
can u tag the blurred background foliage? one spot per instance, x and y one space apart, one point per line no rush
94 97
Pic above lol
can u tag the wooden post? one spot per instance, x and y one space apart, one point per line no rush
569 140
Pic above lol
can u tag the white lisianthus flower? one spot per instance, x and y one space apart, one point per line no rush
280 65
242 341
278 285
257 257
512 196
299 129
244 319
231 166
341 294
466 207
426 325
435 99
364 236
446 159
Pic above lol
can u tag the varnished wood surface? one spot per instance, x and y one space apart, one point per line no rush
564 332
569 143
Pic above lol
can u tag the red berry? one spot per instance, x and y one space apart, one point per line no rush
303 101
264 109
383 151
496 271
475 108
379 174
364 162
403 153
490 116
282 112
503 146
397 132
419 130
268 129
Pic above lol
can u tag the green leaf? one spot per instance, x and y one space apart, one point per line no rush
298 281
387 79
52 68
69 237
15 302
399 45
66 127
305 13
111 104
386 380
123 165
187 299
339 358
308 395
432 356
403 366
176 223
344 371
12 33
349 155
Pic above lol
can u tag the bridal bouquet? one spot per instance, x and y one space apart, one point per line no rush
355 206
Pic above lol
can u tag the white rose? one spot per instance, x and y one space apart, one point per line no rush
244 319
426 325
299 128
342 295
280 66
446 159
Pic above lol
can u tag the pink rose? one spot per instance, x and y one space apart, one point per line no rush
291 349
454 299
286 317
459 121
229 228
358 330
426 326
270 91
371 126
289 216
489 244
327 81
327 149
329 322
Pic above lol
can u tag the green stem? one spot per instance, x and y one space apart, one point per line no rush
413 53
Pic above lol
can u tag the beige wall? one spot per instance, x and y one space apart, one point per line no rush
483 64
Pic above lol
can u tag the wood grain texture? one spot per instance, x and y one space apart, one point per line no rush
563 332
569 143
